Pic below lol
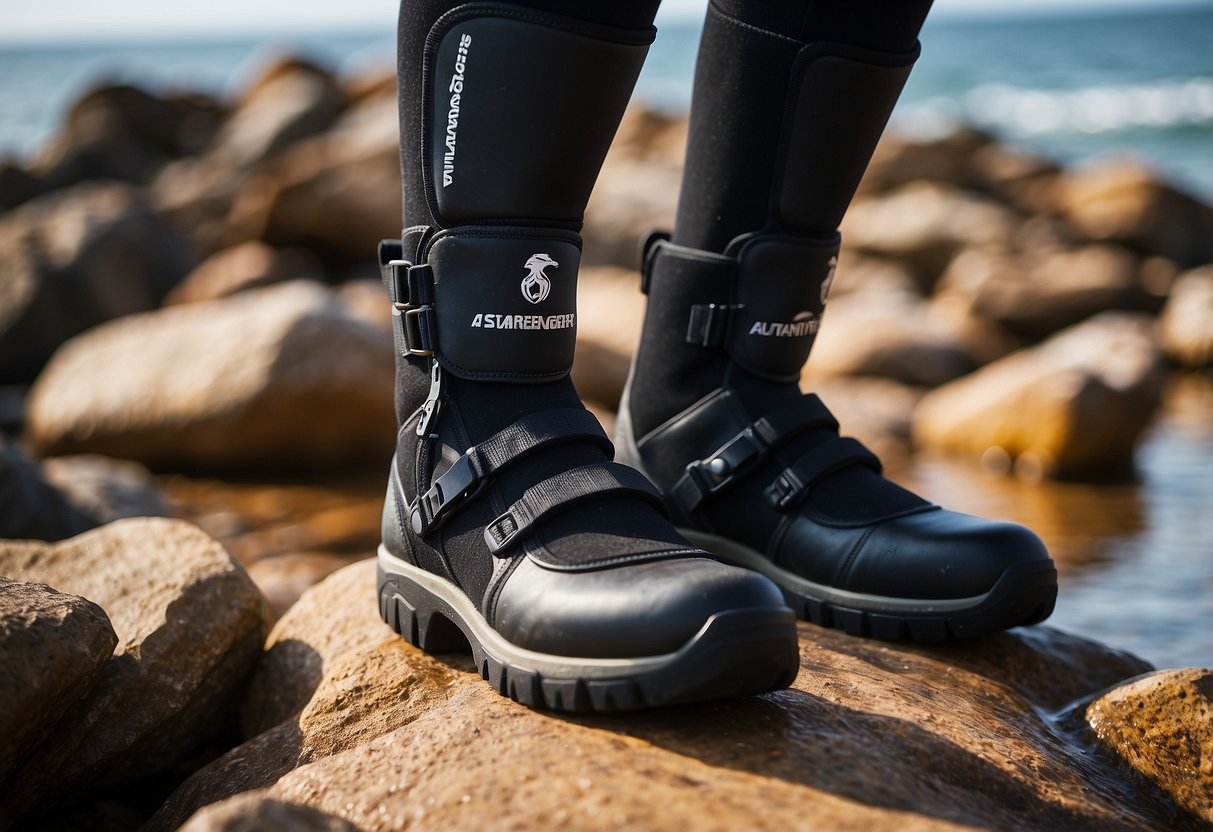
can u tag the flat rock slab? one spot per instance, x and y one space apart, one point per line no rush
52 647
347 718
277 376
190 626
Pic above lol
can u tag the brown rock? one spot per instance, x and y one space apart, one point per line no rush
33 508
887 335
189 625
923 225
1039 294
350 720
1127 203
255 813
900 160
52 647
875 275
1187 319
1161 727
280 375
290 100
245 266
1074 406
121 132
630 199
73 259
610 315
365 299
282 579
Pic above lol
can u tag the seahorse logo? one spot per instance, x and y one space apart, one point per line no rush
536 286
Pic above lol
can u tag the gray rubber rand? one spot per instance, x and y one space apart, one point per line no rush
736 653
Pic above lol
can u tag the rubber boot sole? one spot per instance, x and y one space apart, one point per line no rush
736 653
1024 594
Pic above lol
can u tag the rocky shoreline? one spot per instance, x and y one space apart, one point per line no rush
187 285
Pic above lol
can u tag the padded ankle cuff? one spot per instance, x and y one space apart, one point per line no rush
520 108
762 304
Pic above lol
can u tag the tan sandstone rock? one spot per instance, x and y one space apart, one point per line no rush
1161 727
245 266
189 624
1073 406
52 648
1187 319
347 718
281 375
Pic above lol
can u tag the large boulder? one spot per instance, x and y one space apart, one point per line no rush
291 99
1187 319
249 265
73 259
282 375
1127 203
1161 728
52 648
189 624
123 132
923 225
1074 406
347 718
1043 291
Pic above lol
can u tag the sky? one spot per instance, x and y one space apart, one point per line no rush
110 19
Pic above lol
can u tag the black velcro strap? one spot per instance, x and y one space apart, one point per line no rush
795 417
709 324
794 482
526 436
712 474
562 492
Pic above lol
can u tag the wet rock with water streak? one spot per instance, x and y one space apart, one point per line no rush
1074 406
52 648
1161 728
282 375
1187 319
347 718
189 624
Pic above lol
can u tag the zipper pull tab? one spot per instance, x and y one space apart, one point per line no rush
430 409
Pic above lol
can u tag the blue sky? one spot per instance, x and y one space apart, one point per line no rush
76 19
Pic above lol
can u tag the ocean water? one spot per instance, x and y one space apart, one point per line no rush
1077 88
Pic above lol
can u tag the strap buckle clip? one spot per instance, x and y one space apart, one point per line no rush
413 303
784 492
460 481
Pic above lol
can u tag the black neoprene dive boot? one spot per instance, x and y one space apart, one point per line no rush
507 528
752 469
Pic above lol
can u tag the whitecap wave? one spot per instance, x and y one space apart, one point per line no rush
1167 104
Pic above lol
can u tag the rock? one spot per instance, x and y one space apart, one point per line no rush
611 313
347 718
923 226
1020 179
246 266
630 199
1038 294
1161 727
33 508
900 160
124 133
648 134
281 375
1074 406
254 813
189 626
290 100
52 647
1127 203
106 489
875 275
365 299
73 259
337 194
1187 319
887 335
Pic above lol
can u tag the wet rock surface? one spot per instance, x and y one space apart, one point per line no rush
282 375
52 648
347 718
189 624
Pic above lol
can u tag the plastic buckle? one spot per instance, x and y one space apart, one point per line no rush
784 492
459 481
501 532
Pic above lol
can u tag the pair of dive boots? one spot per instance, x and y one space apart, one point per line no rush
507 526
580 583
